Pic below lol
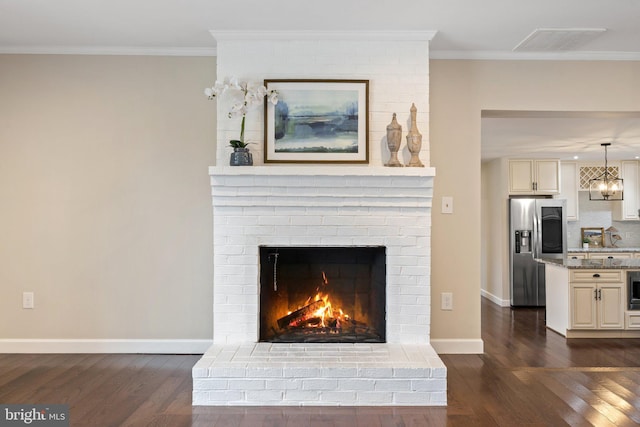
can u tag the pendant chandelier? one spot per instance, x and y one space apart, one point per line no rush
606 187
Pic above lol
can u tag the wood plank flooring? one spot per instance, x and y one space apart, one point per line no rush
527 376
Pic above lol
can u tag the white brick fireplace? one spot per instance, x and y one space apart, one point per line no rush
324 206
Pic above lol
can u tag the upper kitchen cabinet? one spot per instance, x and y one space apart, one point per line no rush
569 188
528 176
627 209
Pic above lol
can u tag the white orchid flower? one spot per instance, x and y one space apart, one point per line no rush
232 83
253 98
251 94
238 109
272 96
219 87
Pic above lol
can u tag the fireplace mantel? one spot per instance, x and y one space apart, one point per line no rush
322 186
320 170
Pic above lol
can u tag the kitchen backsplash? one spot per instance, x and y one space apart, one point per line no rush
600 214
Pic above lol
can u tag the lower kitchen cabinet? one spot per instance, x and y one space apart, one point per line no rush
596 299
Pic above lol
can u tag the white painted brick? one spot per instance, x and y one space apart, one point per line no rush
338 372
225 396
210 384
341 397
392 385
438 398
375 372
429 384
374 398
264 396
271 372
301 395
319 384
412 398
282 384
301 372
356 384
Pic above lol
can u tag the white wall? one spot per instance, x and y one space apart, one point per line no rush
106 208
460 90
396 65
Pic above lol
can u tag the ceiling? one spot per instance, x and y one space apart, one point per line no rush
466 29
562 135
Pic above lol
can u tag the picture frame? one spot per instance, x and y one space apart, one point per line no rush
317 121
594 236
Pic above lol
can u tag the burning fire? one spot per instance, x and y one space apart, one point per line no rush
317 312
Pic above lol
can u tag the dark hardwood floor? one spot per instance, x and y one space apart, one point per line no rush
527 376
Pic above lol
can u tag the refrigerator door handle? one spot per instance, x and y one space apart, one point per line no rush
536 234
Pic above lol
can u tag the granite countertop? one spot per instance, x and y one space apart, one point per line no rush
616 249
597 264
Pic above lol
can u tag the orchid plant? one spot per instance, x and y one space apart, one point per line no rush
253 95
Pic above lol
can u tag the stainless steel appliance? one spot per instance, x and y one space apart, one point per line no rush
633 278
537 229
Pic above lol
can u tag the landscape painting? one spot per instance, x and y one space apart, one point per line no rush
317 121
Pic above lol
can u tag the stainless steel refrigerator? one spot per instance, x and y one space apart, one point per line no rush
537 229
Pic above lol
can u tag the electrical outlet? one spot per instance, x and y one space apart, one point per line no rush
27 300
446 301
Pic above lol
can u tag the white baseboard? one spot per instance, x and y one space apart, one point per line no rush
501 302
104 346
458 346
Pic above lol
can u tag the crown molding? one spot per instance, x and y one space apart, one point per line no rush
534 56
323 35
109 50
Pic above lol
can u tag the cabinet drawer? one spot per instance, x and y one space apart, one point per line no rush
577 255
633 320
625 255
604 276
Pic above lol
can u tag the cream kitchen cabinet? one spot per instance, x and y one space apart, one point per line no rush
627 209
527 176
596 299
577 255
569 184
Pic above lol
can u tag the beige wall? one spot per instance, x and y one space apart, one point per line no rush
459 91
105 199
105 202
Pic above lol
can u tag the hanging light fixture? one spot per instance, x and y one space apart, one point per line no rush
607 186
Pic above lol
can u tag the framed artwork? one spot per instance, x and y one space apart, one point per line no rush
317 121
594 236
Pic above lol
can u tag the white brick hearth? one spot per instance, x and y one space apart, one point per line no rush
320 374
320 206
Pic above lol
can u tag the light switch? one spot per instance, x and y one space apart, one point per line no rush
447 205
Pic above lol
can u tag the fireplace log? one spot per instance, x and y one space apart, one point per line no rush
300 314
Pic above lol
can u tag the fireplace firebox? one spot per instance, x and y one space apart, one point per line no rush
322 294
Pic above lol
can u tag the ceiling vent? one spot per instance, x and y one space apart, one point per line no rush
558 39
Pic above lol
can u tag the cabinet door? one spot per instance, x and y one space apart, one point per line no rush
547 176
582 304
520 176
627 209
610 306
569 188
